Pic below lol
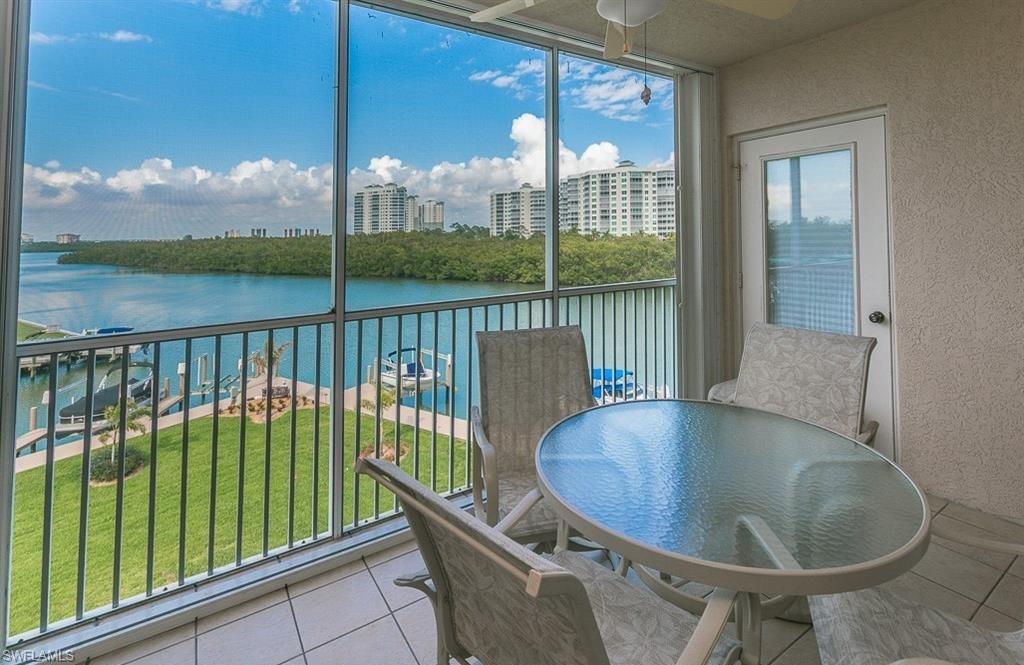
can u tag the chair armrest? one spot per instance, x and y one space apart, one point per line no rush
485 471
418 580
940 530
867 434
723 392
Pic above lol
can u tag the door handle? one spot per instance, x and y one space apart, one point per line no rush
876 317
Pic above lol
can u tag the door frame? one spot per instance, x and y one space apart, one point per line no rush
736 223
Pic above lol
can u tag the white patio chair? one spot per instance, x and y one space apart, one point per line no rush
498 601
814 376
875 627
529 380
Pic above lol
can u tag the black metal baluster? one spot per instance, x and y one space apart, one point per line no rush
451 406
214 447
359 418
154 415
83 501
377 423
243 417
293 435
433 426
416 406
186 394
399 389
51 439
315 498
122 425
268 393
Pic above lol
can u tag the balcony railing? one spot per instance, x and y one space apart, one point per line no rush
149 462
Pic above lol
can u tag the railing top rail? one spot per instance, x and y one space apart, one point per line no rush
88 342
569 291
445 305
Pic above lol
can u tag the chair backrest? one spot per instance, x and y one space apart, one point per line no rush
496 599
815 376
529 380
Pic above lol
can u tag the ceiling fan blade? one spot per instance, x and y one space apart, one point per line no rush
618 40
772 9
502 9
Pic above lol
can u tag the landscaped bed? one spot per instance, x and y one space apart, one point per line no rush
28 507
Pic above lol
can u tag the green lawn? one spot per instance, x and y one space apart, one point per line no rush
25 329
28 518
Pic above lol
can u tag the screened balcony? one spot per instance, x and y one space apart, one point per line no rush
248 243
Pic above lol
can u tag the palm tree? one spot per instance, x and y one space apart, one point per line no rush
274 353
134 421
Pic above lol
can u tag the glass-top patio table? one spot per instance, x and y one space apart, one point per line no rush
740 499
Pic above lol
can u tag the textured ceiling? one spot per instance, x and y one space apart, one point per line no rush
700 32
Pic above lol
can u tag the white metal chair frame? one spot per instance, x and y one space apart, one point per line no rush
538 584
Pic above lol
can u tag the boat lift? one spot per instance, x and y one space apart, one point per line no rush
408 368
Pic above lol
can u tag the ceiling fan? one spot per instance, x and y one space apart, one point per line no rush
625 16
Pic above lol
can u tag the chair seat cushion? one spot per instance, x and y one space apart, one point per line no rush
540 521
637 627
876 627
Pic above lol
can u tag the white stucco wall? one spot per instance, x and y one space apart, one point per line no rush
951 73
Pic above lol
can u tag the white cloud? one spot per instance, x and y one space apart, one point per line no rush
615 94
42 86
118 95
158 198
124 36
45 39
295 6
485 75
524 77
50 187
465 187
239 6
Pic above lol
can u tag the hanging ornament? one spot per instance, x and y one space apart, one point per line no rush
645 94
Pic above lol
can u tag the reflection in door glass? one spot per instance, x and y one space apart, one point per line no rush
809 242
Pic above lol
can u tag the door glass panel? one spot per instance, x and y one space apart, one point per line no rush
809 242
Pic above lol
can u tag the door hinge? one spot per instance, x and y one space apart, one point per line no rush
739 171
740 281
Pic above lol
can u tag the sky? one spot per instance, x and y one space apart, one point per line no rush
160 118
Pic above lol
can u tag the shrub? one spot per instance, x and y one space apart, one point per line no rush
104 470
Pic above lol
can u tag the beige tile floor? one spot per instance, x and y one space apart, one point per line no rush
354 615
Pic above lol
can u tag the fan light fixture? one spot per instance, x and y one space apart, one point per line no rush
632 13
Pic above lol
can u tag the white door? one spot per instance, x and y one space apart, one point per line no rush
815 241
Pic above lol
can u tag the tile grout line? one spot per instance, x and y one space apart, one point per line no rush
809 629
391 612
990 592
295 621
954 591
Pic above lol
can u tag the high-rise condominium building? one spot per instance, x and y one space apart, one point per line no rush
387 208
431 215
620 201
521 211
380 209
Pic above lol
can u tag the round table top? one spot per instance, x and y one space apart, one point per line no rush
733 497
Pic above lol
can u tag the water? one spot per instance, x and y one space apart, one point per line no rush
78 297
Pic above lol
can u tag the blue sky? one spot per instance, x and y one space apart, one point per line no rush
165 117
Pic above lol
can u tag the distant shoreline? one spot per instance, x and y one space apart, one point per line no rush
467 254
